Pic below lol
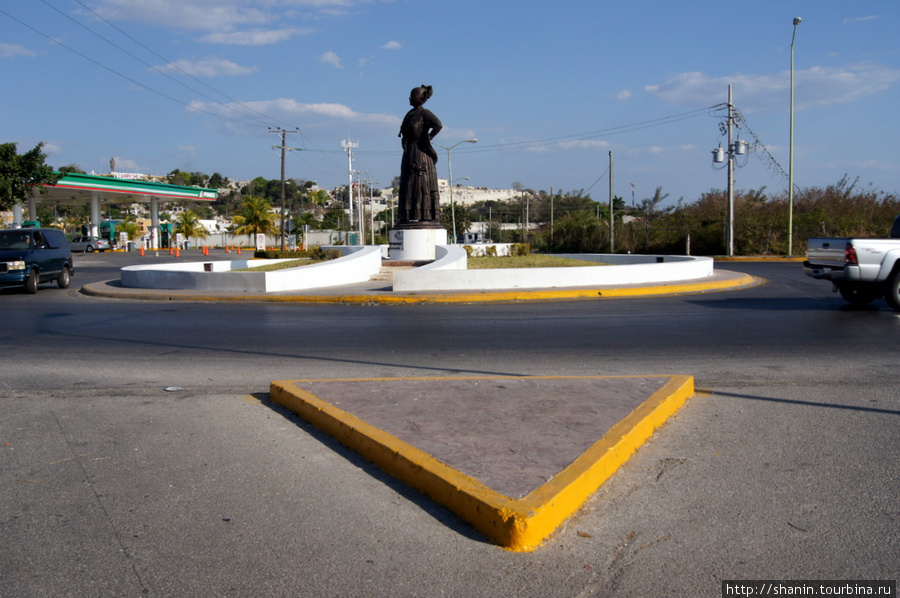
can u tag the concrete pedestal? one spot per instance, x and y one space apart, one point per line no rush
415 244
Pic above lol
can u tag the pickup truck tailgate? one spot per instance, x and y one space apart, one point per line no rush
826 251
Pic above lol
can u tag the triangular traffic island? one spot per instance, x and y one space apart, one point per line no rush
513 456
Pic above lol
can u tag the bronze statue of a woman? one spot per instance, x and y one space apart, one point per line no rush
419 200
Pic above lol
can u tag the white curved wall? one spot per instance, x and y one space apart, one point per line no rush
357 265
445 273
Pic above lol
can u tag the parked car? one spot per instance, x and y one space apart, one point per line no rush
89 244
30 256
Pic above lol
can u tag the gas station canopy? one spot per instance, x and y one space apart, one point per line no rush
80 189
95 191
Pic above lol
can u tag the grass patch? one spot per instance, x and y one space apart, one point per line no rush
526 261
280 265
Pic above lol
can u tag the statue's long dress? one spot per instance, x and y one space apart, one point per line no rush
419 195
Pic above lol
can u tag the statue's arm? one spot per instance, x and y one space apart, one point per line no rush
434 124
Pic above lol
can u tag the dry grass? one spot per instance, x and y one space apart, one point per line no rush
526 261
278 266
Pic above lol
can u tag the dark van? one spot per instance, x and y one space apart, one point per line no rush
30 256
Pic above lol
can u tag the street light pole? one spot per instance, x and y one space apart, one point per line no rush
790 250
450 180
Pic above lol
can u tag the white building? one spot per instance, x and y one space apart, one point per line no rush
463 195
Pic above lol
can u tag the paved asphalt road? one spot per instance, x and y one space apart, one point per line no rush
785 465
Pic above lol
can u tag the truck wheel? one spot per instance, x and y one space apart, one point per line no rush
31 283
64 277
892 291
858 295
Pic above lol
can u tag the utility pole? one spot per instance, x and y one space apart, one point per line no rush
735 148
349 146
729 250
551 217
612 218
284 148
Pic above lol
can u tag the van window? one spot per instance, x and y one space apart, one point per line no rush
55 239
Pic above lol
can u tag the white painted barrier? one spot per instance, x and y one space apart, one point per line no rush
358 264
448 273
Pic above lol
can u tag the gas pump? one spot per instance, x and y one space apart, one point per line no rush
165 235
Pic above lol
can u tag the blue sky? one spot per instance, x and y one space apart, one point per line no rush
548 88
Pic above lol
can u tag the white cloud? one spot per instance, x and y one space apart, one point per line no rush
623 95
214 15
202 15
286 107
860 19
254 37
332 59
12 50
127 165
392 45
816 86
208 67
574 144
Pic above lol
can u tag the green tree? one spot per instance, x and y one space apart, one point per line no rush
255 216
579 232
334 219
189 225
463 216
306 218
20 173
319 199
71 169
130 228
217 181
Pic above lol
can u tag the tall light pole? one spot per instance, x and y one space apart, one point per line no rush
450 180
790 250
462 178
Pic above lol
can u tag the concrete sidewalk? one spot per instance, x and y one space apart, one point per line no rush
513 456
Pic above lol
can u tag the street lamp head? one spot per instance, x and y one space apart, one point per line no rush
797 21
473 140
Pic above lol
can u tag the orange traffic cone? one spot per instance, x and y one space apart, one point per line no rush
142 251
177 252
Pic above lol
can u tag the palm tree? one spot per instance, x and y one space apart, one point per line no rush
130 228
255 216
188 224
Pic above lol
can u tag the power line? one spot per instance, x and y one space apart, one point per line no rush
152 67
115 72
168 63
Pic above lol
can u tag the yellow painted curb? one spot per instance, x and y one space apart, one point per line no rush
745 280
516 524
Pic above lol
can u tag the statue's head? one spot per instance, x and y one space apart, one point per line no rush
419 95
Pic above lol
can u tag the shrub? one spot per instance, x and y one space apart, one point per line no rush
521 249
314 253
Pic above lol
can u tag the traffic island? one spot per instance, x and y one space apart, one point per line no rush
513 456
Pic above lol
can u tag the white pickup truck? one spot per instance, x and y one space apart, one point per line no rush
862 270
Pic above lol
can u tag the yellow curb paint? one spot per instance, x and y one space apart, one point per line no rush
460 297
516 524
